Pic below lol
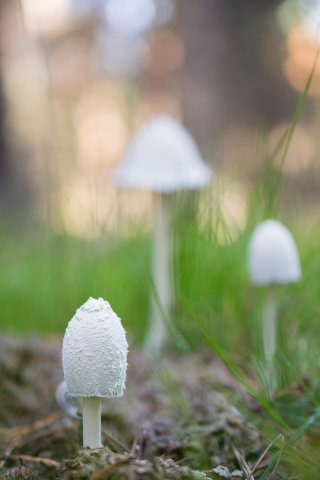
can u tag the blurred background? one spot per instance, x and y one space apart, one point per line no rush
77 77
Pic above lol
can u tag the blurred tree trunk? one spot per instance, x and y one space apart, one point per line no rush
14 188
5 170
233 74
4 164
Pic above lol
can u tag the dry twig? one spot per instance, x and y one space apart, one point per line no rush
10 434
264 453
29 458
242 462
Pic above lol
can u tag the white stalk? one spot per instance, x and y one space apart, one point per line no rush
162 299
270 339
270 326
92 422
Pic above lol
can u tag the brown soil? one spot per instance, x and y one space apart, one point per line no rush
170 424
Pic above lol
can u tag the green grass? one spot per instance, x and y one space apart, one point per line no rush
45 277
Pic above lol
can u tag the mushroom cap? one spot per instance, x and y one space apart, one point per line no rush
162 157
273 255
94 352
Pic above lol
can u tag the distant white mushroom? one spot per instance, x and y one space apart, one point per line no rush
273 260
94 357
164 158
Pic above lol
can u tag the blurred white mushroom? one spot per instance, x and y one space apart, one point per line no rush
164 158
273 260
273 255
94 357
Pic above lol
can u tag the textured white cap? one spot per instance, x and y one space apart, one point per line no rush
273 255
94 352
163 157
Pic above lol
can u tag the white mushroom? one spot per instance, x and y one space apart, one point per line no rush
164 158
94 357
273 260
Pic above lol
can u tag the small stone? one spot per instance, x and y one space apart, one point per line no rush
222 472
236 474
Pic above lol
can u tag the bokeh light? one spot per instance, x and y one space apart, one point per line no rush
223 209
46 17
301 59
130 17
120 55
101 131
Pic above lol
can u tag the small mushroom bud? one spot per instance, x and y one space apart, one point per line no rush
94 358
66 404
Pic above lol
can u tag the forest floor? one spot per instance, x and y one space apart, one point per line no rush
172 423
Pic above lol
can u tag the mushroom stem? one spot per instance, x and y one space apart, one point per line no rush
162 298
92 422
270 325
